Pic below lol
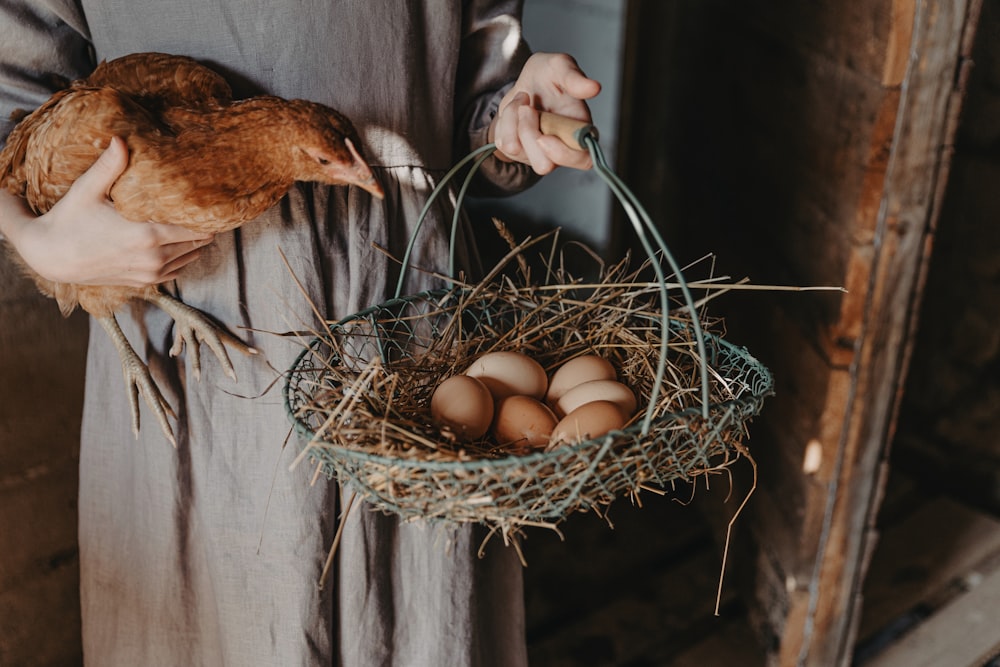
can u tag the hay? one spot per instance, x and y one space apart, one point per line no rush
360 395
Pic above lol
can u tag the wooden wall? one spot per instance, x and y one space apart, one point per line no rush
949 435
41 391
805 143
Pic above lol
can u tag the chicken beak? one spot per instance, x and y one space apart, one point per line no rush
360 174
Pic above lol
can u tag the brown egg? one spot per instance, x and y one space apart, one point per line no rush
522 423
510 373
464 405
590 420
577 371
597 390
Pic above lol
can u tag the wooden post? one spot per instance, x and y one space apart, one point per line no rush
806 144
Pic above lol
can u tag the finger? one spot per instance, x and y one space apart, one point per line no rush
529 135
167 234
159 264
562 155
505 133
101 175
172 269
579 85
569 78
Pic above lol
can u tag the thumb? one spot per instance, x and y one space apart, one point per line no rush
578 85
109 166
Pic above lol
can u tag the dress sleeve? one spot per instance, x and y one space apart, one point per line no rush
43 44
493 52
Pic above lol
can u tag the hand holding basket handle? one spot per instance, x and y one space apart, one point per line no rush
548 82
568 130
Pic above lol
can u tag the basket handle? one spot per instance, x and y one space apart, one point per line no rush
575 133
570 131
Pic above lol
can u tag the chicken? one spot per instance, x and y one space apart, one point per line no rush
198 158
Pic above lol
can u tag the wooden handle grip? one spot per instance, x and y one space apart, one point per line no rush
569 130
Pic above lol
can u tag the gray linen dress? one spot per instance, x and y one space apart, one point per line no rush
210 554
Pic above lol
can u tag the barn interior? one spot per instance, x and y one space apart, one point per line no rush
822 144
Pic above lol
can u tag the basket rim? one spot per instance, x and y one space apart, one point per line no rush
761 389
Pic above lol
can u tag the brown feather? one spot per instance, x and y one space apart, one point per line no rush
196 158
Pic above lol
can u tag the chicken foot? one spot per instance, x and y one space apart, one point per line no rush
139 381
193 328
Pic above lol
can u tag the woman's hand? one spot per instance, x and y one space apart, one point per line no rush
548 82
83 240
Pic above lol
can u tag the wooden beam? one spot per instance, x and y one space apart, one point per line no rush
916 171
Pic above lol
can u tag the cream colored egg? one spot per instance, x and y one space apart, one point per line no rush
597 390
464 405
522 423
510 373
577 371
590 420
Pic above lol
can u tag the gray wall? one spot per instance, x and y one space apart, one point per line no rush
591 31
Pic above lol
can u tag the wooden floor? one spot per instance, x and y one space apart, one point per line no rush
932 596
643 594
640 595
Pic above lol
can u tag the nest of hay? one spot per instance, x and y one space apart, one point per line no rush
360 394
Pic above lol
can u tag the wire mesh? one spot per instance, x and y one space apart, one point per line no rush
343 393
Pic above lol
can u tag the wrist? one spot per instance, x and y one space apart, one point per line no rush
15 216
27 233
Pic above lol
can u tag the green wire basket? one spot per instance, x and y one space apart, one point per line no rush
341 393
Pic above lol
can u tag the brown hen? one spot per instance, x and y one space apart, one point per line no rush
197 159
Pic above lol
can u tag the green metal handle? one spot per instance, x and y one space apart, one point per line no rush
641 223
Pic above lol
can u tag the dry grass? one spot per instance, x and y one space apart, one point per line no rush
361 394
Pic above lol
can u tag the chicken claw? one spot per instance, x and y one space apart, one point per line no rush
193 328
139 381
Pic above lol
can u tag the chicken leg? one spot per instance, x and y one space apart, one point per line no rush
139 381
193 328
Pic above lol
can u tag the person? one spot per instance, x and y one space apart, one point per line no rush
211 553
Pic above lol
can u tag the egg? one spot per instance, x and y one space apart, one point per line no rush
596 390
464 405
510 373
577 371
522 423
590 420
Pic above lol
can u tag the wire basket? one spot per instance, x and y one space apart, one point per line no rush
359 393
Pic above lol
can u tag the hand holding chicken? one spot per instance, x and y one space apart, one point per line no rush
107 249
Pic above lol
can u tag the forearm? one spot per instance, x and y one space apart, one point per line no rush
44 245
492 55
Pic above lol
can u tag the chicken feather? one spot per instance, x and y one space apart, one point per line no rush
197 158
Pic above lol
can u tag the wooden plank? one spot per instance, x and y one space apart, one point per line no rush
731 645
567 579
911 201
964 633
668 609
770 173
828 171
919 558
